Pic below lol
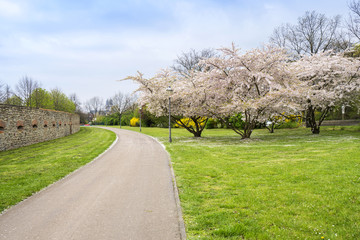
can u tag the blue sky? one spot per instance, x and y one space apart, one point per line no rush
84 46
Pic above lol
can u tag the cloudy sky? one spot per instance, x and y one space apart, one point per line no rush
83 46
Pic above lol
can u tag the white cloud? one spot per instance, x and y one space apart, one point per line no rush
9 9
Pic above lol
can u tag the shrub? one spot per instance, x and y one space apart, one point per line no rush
188 122
134 122
211 123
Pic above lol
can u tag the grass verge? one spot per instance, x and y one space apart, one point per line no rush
287 185
26 170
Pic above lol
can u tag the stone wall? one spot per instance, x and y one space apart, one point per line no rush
21 126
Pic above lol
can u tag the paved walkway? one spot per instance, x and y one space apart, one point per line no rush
127 193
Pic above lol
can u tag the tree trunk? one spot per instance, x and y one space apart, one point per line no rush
307 121
315 130
271 127
120 120
248 128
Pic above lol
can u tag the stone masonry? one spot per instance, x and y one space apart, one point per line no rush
22 126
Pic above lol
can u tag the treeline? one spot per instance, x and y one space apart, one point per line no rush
120 109
28 92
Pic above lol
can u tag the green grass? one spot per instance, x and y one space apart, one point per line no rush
287 185
26 170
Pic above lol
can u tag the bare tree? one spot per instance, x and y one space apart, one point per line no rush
121 103
75 99
189 61
353 23
2 92
25 88
313 33
94 105
8 94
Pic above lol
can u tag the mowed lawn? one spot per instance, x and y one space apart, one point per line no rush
26 170
287 185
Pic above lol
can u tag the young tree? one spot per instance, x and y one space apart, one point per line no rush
121 103
326 80
25 87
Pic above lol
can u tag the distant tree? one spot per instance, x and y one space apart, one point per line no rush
313 33
61 102
25 87
7 93
94 105
41 99
189 62
14 100
353 23
121 103
75 99
2 92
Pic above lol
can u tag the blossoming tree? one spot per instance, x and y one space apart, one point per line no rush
184 101
252 84
326 80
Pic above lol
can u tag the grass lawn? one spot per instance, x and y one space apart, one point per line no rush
26 170
287 185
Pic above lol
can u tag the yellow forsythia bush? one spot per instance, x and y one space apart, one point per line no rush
188 122
134 122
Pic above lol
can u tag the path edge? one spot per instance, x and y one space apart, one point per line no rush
176 193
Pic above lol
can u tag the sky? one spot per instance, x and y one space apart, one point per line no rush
84 46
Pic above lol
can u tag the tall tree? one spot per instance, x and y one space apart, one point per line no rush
25 87
353 23
188 62
313 33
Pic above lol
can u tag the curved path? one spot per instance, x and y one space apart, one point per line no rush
127 193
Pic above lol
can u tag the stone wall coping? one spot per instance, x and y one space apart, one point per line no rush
44 109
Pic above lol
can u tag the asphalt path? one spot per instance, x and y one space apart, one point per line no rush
127 193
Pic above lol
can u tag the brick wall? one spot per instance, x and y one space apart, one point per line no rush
21 126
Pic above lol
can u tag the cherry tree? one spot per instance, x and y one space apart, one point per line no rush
252 84
184 101
326 79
